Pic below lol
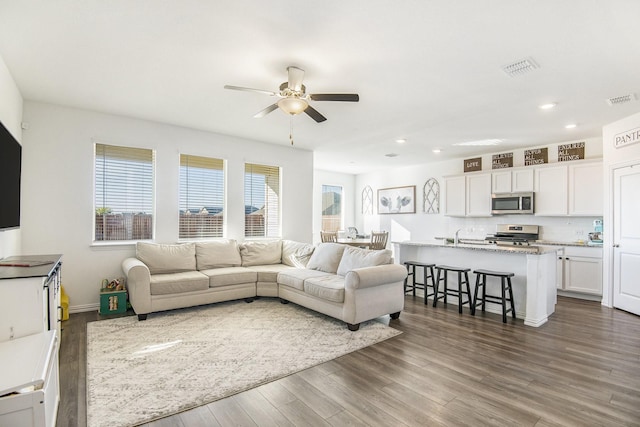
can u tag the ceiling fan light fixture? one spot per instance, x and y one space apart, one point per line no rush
292 105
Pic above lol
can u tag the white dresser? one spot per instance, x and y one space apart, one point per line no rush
29 385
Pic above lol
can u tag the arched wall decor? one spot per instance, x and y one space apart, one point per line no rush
431 194
367 201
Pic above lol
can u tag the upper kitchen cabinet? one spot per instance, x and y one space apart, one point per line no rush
468 195
586 189
551 191
512 181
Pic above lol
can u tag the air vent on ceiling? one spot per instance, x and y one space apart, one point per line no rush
519 68
621 99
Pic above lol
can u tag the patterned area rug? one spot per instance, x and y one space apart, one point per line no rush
177 360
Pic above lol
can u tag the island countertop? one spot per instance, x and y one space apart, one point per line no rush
529 250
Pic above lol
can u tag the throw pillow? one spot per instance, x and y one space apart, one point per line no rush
326 257
359 258
261 252
296 254
163 258
221 253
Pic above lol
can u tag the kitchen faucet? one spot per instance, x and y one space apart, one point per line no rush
455 240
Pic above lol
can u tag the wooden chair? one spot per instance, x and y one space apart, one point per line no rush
329 236
379 240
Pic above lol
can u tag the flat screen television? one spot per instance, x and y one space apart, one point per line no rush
10 170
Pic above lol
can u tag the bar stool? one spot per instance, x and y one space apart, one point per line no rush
427 270
505 279
463 279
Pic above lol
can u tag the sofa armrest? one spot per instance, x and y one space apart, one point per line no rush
138 285
368 277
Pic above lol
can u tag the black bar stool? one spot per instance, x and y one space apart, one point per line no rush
505 285
463 279
427 270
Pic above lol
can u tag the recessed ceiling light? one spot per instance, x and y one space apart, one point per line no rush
401 141
547 106
391 155
436 150
480 142
570 126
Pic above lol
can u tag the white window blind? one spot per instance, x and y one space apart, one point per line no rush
201 197
123 193
331 208
262 200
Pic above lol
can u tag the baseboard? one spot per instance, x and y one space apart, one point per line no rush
82 308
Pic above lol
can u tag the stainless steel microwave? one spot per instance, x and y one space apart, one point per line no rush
511 203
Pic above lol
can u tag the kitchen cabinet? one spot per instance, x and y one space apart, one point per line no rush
551 191
586 195
478 195
454 196
512 181
581 270
29 296
468 195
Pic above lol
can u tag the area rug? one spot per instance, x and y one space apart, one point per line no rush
174 361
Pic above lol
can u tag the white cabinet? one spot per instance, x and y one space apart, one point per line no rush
551 191
512 181
581 270
478 195
586 189
467 195
454 196
29 296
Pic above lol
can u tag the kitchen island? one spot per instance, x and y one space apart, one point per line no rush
534 283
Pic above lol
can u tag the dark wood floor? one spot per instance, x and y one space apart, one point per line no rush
582 368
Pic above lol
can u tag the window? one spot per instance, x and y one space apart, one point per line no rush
331 208
261 200
201 197
123 193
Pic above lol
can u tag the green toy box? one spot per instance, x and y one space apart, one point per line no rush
113 302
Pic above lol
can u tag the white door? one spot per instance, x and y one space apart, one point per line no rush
626 239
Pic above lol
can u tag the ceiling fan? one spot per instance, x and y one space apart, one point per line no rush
294 99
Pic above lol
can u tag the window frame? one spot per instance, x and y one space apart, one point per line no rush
267 226
342 213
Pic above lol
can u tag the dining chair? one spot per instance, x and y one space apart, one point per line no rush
379 240
328 236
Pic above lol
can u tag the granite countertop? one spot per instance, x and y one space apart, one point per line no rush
578 243
481 245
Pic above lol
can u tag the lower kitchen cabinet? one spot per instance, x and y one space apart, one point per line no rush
580 269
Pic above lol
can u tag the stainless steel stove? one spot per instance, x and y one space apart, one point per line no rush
514 235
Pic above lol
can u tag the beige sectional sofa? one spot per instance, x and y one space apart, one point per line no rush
350 284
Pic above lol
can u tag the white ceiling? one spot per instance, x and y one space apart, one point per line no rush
427 71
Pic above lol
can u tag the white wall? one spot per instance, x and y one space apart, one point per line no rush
11 118
422 226
347 182
58 176
614 158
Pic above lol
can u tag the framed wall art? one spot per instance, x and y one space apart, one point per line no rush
397 200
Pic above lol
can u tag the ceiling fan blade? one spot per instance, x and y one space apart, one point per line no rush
266 111
314 114
295 78
248 89
348 97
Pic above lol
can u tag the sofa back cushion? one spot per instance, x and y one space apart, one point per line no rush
353 258
296 254
326 257
261 252
221 253
163 258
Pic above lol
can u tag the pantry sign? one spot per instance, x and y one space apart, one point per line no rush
627 138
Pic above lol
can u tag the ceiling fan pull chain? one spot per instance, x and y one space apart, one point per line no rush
291 129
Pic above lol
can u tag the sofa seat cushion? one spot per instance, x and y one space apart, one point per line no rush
175 283
330 288
269 273
295 277
230 276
